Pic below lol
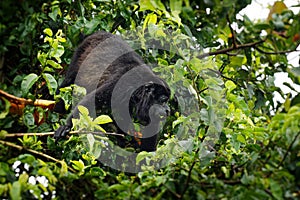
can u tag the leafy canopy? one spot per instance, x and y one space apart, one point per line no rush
240 142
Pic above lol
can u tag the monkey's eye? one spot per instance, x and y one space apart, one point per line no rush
163 99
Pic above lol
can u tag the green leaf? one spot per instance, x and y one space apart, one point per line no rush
97 172
142 155
64 169
4 169
58 52
97 127
23 178
247 179
42 57
91 141
54 64
28 119
151 5
3 134
78 165
238 60
276 189
26 158
83 110
28 82
15 191
103 119
51 83
241 138
48 32
176 5
230 85
239 102
55 12
196 64
4 112
146 5
150 19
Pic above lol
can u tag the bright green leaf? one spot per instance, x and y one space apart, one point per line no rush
103 119
78 165
230 85
83 110
241 138
54 64
48 31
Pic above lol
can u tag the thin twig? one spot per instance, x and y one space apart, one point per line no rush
226 50
276 52
174 193
232 32
186 185
20 148
51 133
288 150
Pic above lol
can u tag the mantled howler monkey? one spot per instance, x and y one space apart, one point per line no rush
120 84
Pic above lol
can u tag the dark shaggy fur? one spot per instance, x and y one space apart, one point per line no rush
120 84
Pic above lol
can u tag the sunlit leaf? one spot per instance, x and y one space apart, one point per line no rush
48 31
103 119
83 110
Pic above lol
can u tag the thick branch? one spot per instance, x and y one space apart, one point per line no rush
17 104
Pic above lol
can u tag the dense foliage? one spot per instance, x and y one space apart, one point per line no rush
236 141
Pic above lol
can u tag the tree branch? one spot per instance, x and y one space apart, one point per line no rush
227 50
243 46
17 104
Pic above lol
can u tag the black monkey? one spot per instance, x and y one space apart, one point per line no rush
120 84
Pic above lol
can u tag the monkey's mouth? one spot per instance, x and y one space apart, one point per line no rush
156 114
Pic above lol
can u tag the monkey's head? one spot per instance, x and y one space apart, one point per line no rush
148 104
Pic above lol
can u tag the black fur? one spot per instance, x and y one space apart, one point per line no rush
100 64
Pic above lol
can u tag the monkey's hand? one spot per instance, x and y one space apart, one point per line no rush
61 132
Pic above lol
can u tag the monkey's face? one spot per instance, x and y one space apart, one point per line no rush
149 103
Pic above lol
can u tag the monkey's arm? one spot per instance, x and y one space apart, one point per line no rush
90 101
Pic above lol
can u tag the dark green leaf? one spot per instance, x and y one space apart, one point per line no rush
28 82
